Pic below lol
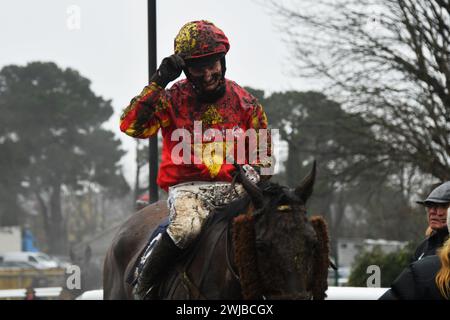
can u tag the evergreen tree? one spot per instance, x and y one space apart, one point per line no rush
51 138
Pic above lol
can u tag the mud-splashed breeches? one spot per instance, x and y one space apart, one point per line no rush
191 203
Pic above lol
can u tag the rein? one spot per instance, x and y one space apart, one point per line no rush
229 245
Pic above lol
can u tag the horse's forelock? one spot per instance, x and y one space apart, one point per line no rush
278 195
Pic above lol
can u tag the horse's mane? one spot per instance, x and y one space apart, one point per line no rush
246 257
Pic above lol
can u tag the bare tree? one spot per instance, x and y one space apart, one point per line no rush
387 60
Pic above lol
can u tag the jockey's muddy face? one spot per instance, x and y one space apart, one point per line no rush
206 78
437 215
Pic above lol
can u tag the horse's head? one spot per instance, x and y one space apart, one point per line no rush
284 240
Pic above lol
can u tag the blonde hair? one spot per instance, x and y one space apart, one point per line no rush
443 276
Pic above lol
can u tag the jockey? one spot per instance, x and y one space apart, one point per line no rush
204 110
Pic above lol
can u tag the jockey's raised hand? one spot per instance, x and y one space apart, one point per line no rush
169 70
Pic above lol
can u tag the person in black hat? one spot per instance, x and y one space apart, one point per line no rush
425 279
436 204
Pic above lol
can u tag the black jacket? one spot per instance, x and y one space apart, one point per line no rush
429 245
416 282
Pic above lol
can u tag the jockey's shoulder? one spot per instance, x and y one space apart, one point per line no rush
237 88
249 100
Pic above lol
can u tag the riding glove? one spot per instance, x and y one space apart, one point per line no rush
170 69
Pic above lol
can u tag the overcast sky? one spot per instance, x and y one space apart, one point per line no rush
109 44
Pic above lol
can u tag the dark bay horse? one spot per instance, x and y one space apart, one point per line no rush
260 247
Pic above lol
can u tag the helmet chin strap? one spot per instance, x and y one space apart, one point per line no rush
205 96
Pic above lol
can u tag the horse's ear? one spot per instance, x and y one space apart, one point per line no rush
305 189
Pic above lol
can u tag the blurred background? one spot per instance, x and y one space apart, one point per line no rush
363 87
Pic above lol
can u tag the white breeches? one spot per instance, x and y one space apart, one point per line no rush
191 203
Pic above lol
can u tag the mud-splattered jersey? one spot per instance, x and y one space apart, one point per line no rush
198 152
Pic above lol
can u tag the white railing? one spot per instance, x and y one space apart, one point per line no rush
354 293
334 293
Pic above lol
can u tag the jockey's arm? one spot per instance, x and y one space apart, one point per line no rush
146 112
263 152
